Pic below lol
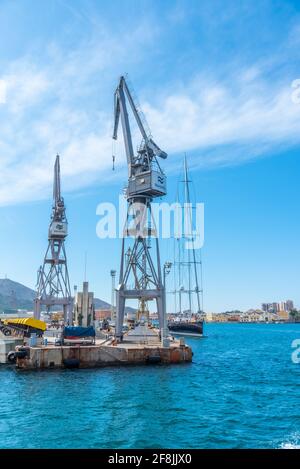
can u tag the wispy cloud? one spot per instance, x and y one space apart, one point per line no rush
250 113
60 100
64 106
2 92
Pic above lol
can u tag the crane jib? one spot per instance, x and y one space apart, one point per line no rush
145 176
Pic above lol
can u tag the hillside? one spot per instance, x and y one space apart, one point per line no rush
14 295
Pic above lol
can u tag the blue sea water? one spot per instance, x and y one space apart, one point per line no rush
241 391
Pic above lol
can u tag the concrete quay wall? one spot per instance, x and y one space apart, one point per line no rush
44 357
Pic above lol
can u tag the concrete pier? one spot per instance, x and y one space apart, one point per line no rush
102 354
8 345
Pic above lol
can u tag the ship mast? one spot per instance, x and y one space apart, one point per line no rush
188 262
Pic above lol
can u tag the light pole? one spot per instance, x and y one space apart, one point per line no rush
113 310
166 271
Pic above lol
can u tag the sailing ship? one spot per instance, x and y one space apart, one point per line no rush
188 291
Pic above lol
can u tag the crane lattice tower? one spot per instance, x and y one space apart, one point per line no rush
53 285
140 270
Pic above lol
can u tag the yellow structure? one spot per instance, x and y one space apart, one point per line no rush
27 322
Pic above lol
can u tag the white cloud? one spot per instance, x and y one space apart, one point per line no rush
59 105
24 88
3 87
62 103
258 117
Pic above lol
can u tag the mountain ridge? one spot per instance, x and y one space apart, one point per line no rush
15 295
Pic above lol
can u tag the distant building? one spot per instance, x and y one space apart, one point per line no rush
283 315
208 317
252 315
233 318
270 307
220 317
283 306
287 305
101 314
270 317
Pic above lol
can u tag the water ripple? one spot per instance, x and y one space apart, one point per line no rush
241 391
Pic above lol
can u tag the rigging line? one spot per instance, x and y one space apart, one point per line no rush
193 245
201 264
187 198
177 257
201 280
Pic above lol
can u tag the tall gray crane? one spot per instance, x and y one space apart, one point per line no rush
53 285
140 270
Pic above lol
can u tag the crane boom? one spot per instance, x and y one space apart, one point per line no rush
56 181
58 225
143 178
134 109
120 108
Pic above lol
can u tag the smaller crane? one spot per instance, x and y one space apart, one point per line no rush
53 286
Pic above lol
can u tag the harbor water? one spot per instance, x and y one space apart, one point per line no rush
241 391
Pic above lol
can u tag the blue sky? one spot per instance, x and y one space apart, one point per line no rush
214 80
